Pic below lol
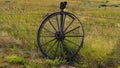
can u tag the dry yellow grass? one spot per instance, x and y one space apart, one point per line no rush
20 20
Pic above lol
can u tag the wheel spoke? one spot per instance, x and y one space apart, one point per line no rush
51 46
52 25
71 42
56 49
49 30
62 50
57 22
72 30
48 42
74 36
47 36
69 25
69 49
64 17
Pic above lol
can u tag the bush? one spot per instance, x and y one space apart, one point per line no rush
114 5
15 60
102 5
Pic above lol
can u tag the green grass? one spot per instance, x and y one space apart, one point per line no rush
20 20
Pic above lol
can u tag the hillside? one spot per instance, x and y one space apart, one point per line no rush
20 21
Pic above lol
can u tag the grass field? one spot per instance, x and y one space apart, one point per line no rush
20 20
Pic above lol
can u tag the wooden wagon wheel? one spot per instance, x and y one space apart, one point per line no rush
61 34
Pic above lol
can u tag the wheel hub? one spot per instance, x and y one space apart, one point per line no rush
59 36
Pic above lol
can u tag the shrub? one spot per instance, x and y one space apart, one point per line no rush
102 5
15 60
114 5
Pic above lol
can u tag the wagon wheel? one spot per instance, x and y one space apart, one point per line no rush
60 35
